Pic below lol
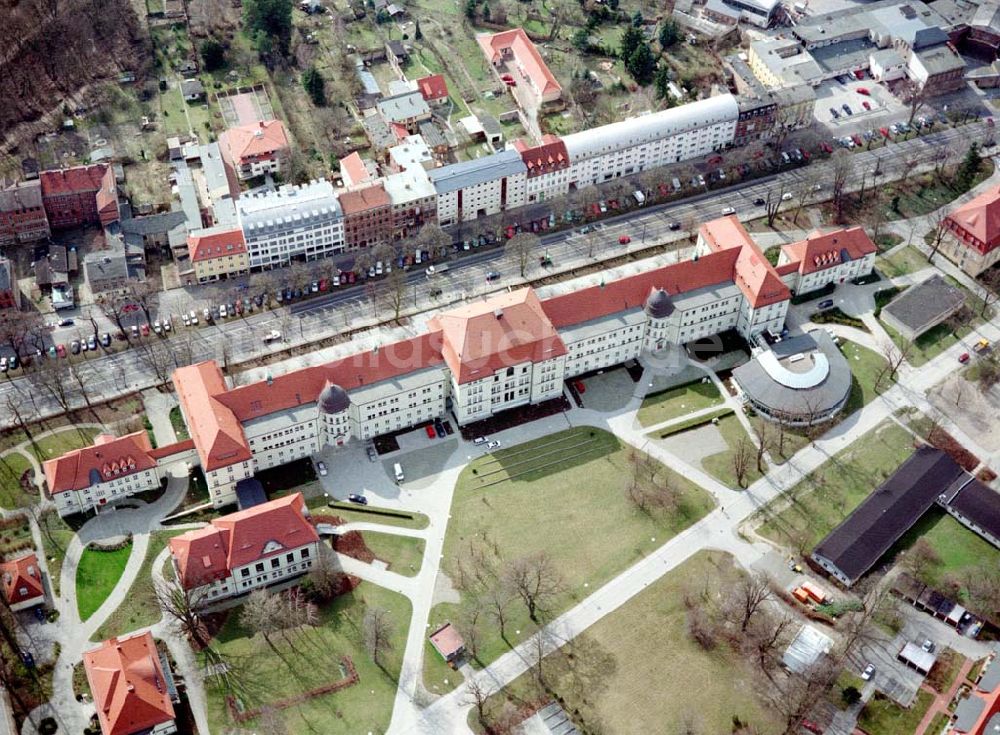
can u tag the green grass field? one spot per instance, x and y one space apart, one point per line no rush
96 575
720 465
12 466
931 343
903 261
177 421
140 607
826 496
605 685
403 554
675 402
64 440
865 364
315 661
56 536
957 548
562 495
882 716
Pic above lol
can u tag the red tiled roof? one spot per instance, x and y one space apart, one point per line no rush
433 87
354 168
362 200
216 244
21 579
175 448
595 302
261 139
819 251
499 332
753 274
128 685
550 155
76 180
447 641
238 539
108 459
525 54
304 386
980 217
399 130
216 432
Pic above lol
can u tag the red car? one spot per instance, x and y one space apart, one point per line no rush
812 727
624 240
866 104
864 91
509 232
664 191
595 210
715 160
805 154
857 139
826 147
963 358
430 431
145 330
61 350
351 277
580 387
885 132
859 74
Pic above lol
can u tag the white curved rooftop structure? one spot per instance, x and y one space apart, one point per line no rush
649 128
807 372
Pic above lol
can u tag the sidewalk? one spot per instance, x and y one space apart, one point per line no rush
941 701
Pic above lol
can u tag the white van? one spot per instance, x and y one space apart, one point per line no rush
398 471
677 184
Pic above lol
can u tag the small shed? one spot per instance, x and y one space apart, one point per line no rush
917 658
806 649
192 90
448 643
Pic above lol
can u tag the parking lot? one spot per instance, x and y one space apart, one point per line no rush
832 95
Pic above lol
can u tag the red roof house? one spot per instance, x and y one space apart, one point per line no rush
21 582
976 228
550 155
824 250
250 150
217 433
215 243
131 692
235 540
448 642
514 51
433 88
753 274
81 195
108 459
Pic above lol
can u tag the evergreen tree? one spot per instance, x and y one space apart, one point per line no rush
662 82
669 33
417 33
641 64
213 54
581 40
637 19
269 23
312 82
486 11
969 168
631 40
470 9
613 4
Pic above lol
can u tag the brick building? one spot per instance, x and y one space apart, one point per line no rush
82 195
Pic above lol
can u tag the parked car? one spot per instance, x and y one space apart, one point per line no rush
674 226
833 111
479 440
863 90
982 345
144 328
157 328
868 673
65 322
759 202
786 196
927 646
3 364
964 358
846 108
372 454
866 104
492 276
61 350
825 304
359 499
624 240
493 444
92 342
429 430
726 211
74 347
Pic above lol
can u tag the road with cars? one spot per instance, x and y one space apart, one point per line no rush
352 308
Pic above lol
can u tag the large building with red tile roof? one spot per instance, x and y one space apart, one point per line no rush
256 149
237 553
218 252
82 195
547 167
826 257
512 52
434 89
973 240
22 213
21 582
131 685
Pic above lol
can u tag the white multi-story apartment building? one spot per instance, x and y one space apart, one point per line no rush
112 469
478 188
293 223
484 358
547 167
244 551
649 141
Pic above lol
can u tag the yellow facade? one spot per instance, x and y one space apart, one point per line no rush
212 269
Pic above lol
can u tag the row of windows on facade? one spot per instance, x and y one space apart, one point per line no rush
275 562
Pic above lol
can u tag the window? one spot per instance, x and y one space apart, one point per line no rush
275 563
305 553
260 567
289 558
245 572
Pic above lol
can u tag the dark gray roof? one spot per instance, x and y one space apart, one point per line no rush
250 492
927 37
991 677
659 305
431 134
981 505
6 275
480 170
106 265
967 713
926 303
153 224
192 86
890 511
333 399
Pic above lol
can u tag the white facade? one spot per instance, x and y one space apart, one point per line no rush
269 570
546 186
292 223
222 481
117 487
837 273
508 387
650 141
480 187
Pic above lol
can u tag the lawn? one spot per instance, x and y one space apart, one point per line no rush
402 554
675 402
177 421
96 576
56 536
957 548
865 364
882 716
931 343
65 440
720 465
369 514
140 607
13 465
826 496
315 661
593 532
903 261
604 677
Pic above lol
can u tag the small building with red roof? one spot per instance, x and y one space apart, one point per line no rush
826 257
218 252
448 642
132 686
548 168
240 552
512 52
21 582
82 195
973 239
256 149
434 89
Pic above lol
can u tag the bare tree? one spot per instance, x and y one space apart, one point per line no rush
535 580
519 249
264 613
20 329
747 598
326 577
185 607
52 377
434 240
477 694
470 626
841 165
914 95
497 599
920 558
895 355
764 431
377 631
775 198
742 457
395 291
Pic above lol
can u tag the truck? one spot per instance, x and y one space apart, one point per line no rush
981 346
273 336
640 198
434 269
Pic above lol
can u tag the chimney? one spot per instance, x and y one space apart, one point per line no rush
270 379
498 313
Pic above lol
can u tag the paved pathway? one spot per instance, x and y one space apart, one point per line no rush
941 701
